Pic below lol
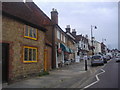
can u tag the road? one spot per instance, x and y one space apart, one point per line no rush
107 77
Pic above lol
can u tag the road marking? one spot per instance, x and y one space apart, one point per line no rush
96 78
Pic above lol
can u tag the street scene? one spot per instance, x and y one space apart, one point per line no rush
43 46
75 76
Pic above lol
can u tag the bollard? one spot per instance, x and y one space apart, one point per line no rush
85 65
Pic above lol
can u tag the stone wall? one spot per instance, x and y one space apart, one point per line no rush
13 33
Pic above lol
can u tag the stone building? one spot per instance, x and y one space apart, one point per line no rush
97 46
59 39
83 45
23 41
72 42
103 48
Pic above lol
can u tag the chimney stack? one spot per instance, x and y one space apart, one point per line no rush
68 28
73 32
54 16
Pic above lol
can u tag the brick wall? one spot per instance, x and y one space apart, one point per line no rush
49 33
13 31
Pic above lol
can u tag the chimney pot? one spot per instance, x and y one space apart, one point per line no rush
73 32
54 16
68 28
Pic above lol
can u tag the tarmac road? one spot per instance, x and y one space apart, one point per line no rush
108 77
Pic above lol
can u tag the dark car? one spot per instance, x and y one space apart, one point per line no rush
105 59
97 60
117 59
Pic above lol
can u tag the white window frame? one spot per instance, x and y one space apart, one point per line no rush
58 34
61 37
64 39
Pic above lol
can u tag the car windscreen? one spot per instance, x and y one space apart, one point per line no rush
118 55
96 57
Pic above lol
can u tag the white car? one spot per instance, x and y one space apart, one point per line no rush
97 60
117 58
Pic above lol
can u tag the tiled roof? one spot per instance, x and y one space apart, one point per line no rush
26 12
81 38
45 20
78 38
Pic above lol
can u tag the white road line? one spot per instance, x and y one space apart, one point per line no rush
96 78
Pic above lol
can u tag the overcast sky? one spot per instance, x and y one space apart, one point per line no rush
81 15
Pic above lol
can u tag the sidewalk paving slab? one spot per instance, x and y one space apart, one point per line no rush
69 76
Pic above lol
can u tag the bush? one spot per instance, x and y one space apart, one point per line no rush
44 73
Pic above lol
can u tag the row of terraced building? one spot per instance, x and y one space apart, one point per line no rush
33 43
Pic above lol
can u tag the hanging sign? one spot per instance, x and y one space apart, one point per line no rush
59 50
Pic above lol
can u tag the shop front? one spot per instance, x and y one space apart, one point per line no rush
63 54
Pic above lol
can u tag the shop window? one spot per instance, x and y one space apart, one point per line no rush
30 32
30 54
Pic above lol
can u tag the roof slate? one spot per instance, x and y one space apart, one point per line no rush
27 12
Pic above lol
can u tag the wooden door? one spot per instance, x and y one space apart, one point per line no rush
45 60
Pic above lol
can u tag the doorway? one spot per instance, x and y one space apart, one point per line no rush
5 57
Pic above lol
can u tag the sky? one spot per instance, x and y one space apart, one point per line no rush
81 15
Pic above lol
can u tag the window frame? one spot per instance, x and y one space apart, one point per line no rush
29 28
64 39
61 37
58 34
28 47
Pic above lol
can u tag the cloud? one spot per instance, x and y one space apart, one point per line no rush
75 1
81 15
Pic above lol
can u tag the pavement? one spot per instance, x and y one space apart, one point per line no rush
69 76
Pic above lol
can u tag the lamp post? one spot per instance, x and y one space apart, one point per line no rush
92 38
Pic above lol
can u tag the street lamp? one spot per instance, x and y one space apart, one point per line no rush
92 38
85 57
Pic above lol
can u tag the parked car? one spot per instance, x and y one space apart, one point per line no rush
104 58
97 60
107 57
117 58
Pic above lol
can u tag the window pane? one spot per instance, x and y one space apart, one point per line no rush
34 54
58 34
31 31
34 33
25 54
61 36
30 54
26 31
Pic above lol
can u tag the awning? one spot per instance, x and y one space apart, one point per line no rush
64 48
70 50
